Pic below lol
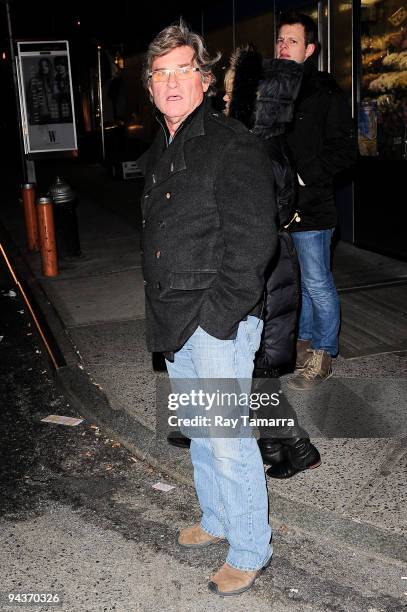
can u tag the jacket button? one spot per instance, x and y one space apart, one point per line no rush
158 285
143 223
168 195
154 178
158 253
145 283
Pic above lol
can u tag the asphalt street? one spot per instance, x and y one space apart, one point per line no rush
79 517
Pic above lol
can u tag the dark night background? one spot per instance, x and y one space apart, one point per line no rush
122 26
129 23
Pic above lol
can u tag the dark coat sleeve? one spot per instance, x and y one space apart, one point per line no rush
337 150
245 198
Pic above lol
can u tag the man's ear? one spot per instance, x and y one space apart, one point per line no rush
206 81
309 50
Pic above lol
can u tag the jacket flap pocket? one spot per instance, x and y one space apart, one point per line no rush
201 279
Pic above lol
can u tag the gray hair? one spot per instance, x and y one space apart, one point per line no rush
179 35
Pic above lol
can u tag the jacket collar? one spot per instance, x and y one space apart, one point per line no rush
310 68
168 159
315 80
184 125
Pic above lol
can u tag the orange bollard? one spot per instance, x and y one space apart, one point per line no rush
30 214
47 237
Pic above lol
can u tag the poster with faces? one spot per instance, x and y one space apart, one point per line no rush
46 96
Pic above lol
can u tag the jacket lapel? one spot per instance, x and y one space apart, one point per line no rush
171 160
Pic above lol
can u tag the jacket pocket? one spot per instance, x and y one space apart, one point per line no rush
187 281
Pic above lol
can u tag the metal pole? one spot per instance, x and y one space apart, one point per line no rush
329 9
276 19
356 61
46 230
30 215
28 304
28 168
102 127
321 37
234 25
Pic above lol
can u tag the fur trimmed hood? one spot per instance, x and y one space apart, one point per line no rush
264 92
248 71
276 95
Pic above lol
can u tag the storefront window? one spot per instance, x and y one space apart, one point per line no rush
341 45
383 99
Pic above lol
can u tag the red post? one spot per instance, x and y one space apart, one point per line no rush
47 237
31 225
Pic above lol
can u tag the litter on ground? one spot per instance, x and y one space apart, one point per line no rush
62 420
162 486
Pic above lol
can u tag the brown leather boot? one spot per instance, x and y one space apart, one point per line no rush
196 537
303 354
231 581
316 371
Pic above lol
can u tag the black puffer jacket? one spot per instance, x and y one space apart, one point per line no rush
273 106
274 109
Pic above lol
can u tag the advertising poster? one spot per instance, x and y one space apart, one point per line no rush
46 98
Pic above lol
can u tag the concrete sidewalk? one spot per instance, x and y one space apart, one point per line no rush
95 310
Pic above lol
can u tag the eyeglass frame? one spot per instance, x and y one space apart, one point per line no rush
173 71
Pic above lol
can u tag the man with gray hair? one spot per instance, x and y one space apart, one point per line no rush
208 211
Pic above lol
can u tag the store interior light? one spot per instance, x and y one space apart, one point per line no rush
119 60
133 127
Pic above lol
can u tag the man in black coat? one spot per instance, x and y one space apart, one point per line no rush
208 234
322 143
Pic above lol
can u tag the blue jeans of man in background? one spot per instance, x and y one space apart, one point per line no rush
228 472
320 310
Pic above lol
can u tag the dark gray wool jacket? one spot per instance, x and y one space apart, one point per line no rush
208 228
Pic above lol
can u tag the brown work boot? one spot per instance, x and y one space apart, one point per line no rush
231 581
304 351
196 537
316 371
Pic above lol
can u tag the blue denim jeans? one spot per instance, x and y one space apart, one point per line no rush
228 472
320 310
